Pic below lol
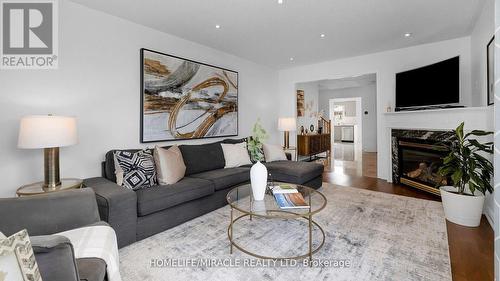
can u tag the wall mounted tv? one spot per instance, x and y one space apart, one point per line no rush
435 85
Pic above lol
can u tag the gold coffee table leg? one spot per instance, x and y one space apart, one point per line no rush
231 226
251 205
310 234
310 240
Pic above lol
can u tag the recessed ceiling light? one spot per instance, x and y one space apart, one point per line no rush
217 26
280 1
322 35
407 35
291 59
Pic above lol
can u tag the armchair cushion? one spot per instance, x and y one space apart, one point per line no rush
55 257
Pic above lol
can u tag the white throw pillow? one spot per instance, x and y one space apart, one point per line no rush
273 152
17 258
236 154
170 167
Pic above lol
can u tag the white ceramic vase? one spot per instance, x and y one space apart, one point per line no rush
258 179
464 210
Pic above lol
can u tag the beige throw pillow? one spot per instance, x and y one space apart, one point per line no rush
235 154
118 171
170 167
273 152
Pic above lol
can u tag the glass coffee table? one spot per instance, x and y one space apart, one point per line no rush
241 199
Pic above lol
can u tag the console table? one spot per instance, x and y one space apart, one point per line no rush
310 145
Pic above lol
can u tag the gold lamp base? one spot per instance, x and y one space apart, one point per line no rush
286 144
51 168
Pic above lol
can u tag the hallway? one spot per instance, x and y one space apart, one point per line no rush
349 159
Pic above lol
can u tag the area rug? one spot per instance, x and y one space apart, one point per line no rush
369 236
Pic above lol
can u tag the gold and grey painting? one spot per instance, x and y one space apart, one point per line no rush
183 99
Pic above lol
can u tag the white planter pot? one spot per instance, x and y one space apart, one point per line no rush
258 179
464 210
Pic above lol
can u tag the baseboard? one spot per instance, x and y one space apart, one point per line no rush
490 214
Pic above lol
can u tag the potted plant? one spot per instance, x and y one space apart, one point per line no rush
470 173
258 137
258 172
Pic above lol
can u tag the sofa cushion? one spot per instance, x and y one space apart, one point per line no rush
162 197
234 141
294 171
170 167
109 163
201 158
235 155
225 178
139 170
273 152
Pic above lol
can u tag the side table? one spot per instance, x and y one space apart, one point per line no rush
37 188
293 151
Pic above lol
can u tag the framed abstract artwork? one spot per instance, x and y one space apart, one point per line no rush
490 62
184 99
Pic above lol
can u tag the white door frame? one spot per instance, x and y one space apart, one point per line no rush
358 127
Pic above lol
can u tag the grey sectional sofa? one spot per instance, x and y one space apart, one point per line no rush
136 215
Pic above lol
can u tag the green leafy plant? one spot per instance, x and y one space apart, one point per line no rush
464 163
259 136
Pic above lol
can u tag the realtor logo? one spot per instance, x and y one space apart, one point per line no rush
29 34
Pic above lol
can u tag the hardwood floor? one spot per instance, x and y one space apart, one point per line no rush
471 249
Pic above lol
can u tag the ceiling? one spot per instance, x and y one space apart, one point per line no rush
347 82
269 33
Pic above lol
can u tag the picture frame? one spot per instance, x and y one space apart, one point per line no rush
184 99
490 71
301 111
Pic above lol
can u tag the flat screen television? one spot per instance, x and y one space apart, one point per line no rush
432 85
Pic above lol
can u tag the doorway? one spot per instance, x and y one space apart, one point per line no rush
349 104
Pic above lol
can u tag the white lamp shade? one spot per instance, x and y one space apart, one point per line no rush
287 124
46 131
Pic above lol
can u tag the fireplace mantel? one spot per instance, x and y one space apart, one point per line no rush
480 118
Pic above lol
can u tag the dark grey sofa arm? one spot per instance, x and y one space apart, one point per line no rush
55 258
117 206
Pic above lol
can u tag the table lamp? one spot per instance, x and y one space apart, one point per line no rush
287 124
48 132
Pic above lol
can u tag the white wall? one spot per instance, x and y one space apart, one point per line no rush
98 82
385 65
481 34
311 92
368 95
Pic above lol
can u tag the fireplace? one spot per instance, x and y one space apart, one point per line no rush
416 159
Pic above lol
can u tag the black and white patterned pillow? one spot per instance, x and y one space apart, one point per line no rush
138 169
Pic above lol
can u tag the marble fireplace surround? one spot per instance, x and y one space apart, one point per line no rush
444 120
415 135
